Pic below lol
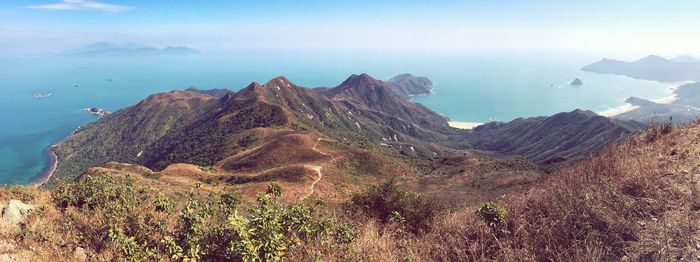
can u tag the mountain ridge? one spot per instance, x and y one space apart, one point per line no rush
567 134
652 67
194 127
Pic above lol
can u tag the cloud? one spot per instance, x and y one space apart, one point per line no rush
82 5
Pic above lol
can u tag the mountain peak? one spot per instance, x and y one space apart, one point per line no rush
362 80
653 58
278 82
583 112
174 99
366 77
252 87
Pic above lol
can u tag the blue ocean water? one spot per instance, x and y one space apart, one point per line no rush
470 88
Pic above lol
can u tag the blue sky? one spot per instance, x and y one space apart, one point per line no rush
617 27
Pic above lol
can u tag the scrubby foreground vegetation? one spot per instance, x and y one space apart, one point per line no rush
635 201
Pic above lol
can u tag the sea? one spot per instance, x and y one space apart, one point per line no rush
469 87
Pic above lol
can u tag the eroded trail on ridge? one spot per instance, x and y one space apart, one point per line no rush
317 168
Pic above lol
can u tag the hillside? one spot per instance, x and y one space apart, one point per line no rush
196 128
563 135
127 133
363 90
229 131
217 92
635 201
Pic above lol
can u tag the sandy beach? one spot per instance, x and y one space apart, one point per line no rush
618 110
463 125
672 97
45 175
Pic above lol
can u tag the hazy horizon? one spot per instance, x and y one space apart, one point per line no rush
623 29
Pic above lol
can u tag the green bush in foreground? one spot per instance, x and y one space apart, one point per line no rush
108 213
386 200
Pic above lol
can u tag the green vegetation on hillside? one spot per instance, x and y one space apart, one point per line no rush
115 218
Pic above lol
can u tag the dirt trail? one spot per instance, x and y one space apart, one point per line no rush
317 168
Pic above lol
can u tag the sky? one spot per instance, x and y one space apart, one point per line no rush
621 27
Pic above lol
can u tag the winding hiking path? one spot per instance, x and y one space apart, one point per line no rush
317 168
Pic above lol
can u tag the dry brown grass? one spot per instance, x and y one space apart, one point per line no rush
612 206
37 238
636 201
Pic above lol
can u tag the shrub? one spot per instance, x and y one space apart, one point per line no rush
186 242
382 200
108 211
229 203
98 192
494 216
109 215
656 130
163 203
274 190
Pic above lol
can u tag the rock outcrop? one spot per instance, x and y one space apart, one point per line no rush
15 212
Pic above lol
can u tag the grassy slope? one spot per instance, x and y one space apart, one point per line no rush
638 201
635 201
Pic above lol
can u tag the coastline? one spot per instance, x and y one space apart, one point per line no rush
613 111
46 174
627 107
464 125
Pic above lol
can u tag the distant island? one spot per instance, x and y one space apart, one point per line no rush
128 49
653 67
97 111
576 82
410 85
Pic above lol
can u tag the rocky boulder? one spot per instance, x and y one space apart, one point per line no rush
15 211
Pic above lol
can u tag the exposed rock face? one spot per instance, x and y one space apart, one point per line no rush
15 211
